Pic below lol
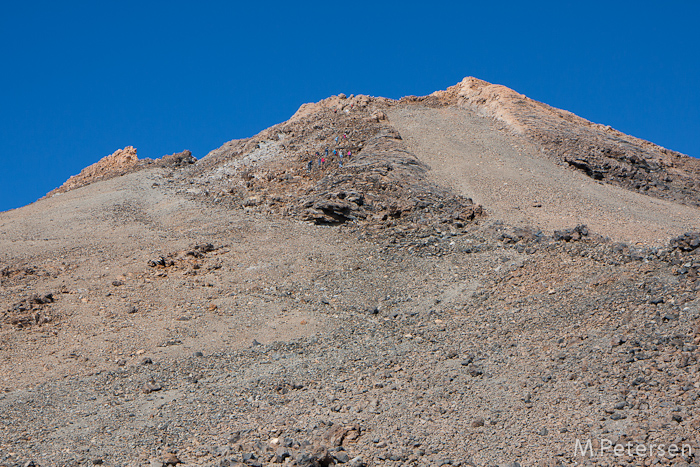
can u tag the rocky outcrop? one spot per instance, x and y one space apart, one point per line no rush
119 163
33 310
177 160
334 162
687 242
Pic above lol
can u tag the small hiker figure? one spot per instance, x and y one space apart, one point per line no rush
345 136
349 154
340 162
319 159
310 165
323 160
336 139
326 152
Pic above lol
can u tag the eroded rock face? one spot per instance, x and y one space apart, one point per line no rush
117 163
121 162
177 160
335 162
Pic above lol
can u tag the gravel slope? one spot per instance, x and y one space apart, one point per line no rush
509 175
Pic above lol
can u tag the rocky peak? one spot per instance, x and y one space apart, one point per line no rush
118 163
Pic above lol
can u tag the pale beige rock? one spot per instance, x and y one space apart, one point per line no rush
115 164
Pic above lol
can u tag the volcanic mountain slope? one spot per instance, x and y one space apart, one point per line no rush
436 300
597 150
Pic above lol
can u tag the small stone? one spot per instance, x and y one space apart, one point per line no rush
474 370
146 361
97 462
281 454
620 405
131 309
616 341
478 422
151 386
156 463
356 462
212 307
171 459
342 457
198 354
220 451
252 201
321 456
468 360
255 342
117 283
676 418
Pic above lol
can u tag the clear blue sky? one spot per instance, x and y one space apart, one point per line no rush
82 79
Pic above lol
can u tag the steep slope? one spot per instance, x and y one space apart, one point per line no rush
245 310
474 141
597 150
368 176
508 174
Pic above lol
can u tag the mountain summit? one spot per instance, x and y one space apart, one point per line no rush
466 278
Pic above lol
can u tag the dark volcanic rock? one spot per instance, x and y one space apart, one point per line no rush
686 242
